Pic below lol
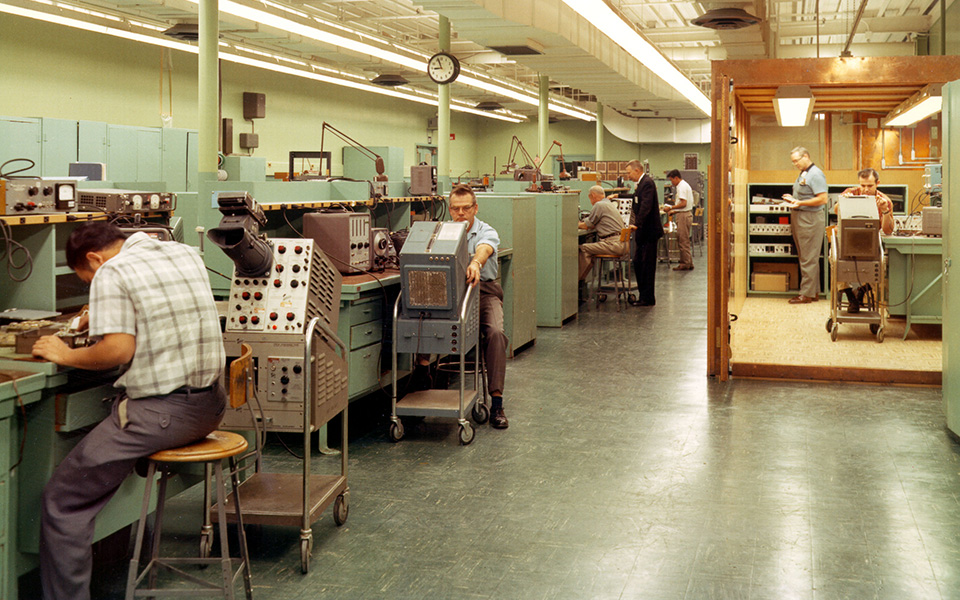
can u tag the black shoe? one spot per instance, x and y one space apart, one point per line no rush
853 303
420 379
498 420
641 303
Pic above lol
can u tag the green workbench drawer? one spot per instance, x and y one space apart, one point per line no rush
365 311
365 334
364 369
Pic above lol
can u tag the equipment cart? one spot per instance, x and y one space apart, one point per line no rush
440 336
271 498
855 273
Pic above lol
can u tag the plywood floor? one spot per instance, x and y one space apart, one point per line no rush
769 331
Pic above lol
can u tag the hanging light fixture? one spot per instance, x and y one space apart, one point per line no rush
793 105
921 105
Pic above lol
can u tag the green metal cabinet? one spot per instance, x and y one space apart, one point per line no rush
92 142
59 146
365 320
557 217
20 138
516 226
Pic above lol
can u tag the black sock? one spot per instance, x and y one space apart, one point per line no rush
496 402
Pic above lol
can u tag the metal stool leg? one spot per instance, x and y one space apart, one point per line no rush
132 571
241 532
599 278
157 529
206 530
226 567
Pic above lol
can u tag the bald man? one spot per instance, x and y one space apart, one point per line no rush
605 218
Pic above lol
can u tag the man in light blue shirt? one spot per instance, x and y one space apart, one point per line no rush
482 244
807 222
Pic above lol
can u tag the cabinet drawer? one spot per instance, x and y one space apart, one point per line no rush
365 311
363 369
365 334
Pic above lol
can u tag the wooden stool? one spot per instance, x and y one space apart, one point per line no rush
211 451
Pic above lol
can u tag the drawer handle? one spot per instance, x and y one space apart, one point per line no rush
367 355
369 332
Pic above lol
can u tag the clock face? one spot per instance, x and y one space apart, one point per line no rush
443 67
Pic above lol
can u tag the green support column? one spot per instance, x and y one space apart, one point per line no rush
543 117
443 109
600 131
208 84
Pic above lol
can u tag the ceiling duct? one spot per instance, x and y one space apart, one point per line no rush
488 105
725 19
187 32
531 48
389 79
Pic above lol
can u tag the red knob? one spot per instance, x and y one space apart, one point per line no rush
242 319
254 320
291 316
277 283
273 316
281 249
245 295
257 296
298 249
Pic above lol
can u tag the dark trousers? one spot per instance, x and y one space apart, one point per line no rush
89 476
494 339
645 268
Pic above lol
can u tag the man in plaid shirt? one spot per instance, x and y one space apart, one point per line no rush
151 302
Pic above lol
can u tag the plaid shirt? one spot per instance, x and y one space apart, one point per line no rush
159 293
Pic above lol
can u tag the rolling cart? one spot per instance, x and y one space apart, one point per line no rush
271 498
858 272
424 336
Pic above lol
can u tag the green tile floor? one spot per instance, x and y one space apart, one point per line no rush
627 473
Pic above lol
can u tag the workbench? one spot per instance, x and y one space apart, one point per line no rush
915 278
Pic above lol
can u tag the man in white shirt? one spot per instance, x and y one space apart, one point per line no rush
682 212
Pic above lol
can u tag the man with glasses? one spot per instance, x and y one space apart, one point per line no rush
482 244
807 222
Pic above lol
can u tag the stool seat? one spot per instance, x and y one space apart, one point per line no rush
216 446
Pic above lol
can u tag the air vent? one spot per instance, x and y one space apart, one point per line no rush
726 19
488 105
516 50
188 32
389 79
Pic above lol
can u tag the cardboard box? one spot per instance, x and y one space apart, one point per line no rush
769 282
791 269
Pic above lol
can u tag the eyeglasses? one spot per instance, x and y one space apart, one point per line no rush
462 209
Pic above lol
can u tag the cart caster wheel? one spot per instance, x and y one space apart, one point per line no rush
206 543
874 328
632 297
480 413
396 431
829 325
880 335
466 434
341 509
601 297
306 547
833 332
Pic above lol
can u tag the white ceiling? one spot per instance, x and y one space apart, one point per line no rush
583 64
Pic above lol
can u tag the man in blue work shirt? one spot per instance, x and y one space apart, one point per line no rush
807 222
482 244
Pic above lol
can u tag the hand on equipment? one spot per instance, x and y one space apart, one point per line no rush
790 201
52 348
473 272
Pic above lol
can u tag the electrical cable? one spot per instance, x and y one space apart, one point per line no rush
9 174
220 274
9 247
23 417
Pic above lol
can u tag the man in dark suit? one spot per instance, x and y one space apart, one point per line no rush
646 218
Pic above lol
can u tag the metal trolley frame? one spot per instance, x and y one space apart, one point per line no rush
267 497
440 403
873 272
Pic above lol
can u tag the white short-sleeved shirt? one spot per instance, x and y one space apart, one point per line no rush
684 192
159 293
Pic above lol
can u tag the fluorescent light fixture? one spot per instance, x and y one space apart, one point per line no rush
167 43
921 105
793 105
613 26
416 64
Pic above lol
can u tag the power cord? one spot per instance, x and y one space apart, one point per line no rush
9 248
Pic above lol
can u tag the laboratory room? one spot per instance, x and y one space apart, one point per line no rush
565 300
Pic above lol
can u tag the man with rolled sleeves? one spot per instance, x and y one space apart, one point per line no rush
605 218
807 222
482 244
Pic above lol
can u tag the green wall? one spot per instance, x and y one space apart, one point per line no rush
80 75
